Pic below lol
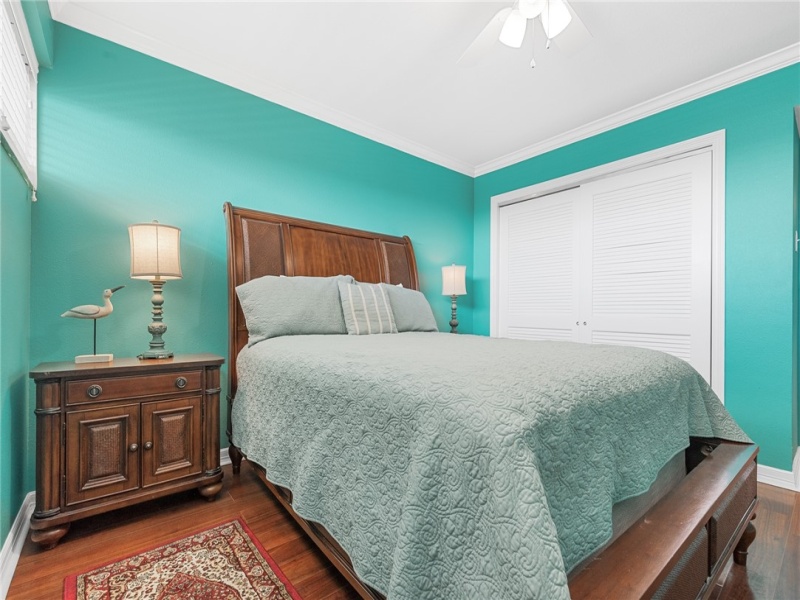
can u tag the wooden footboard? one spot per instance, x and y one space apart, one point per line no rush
679 549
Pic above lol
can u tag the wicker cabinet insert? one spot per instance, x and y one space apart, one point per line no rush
111 435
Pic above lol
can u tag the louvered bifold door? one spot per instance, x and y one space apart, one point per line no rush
647 258
539 270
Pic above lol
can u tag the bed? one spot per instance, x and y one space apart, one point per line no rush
677 546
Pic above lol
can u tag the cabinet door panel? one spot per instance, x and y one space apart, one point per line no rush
171 434
102 455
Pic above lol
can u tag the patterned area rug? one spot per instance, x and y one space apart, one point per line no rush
225 562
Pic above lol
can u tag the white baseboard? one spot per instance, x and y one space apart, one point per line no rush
12 547
789 480
224 459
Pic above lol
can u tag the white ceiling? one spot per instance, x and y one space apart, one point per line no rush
388 70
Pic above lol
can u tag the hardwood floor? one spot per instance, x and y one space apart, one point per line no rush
773 571
94 541
773 565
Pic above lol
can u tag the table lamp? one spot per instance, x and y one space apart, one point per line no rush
155 256
454 285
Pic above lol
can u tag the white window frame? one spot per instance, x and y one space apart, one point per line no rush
715 142
22 148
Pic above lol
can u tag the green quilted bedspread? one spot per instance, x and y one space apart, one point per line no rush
466 467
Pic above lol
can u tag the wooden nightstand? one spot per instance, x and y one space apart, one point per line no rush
115 434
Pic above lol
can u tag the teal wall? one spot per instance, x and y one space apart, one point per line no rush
758 118
40 26
125 138
796 286
16 478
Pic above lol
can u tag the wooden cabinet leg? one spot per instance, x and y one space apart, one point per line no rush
740 552
209 492
49 538
236 458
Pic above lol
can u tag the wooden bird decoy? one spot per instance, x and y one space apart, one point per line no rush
92 311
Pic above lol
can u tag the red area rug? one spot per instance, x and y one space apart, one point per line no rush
225 562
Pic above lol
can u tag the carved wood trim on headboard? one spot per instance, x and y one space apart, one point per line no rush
261 244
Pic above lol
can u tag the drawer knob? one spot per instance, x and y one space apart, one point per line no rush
180 383
94 391
133 447
148 445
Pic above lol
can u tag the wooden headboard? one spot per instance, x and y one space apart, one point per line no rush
265 244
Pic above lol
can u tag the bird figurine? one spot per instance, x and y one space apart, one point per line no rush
94 312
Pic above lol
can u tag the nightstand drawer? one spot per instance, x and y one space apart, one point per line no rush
98 390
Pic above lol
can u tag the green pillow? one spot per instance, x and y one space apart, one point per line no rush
276 306
366 308
411 309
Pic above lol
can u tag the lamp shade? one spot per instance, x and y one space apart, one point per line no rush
155 251
454 280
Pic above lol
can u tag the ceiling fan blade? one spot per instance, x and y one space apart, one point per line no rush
575 37
513 32
555 17
486 39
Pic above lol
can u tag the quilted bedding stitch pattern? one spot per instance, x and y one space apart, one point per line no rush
463 466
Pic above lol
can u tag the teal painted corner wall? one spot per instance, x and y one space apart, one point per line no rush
758 118
40 26
125 138
15 412
796 285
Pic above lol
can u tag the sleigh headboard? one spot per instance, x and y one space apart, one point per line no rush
261 244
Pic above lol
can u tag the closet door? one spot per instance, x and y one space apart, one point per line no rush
647 258
624 260
539 249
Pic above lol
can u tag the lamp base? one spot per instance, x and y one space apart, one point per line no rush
453 319
157 328
94 358
155 354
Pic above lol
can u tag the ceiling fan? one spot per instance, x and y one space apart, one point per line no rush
510 24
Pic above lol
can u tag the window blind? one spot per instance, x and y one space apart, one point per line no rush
18 77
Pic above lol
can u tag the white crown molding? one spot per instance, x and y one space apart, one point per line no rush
789 480
12 547
81 17
750 70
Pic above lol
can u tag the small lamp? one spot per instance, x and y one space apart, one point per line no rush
454 285
155 256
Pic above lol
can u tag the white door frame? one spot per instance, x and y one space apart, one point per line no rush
713 141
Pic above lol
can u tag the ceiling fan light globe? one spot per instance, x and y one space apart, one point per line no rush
555 17
513 31
530 9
